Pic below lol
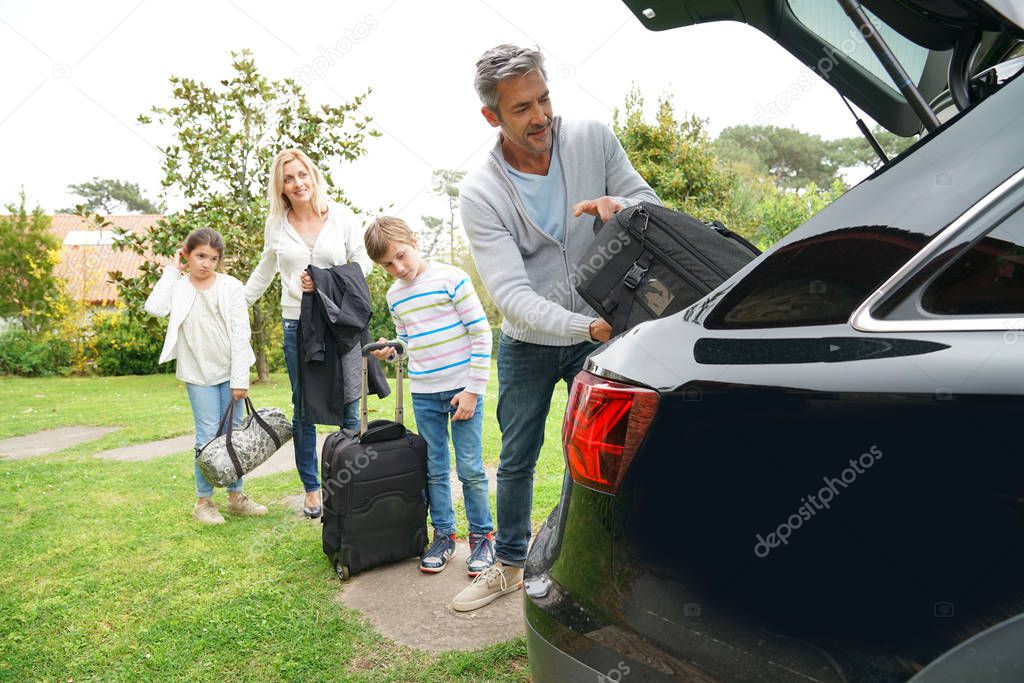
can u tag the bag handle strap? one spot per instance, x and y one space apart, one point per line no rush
229 417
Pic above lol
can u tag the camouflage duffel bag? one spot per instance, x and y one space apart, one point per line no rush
238 450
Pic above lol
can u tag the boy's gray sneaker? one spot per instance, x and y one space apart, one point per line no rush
481 554
437 555
495 581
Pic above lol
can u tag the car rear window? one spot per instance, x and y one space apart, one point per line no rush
988 279
819 280
830 23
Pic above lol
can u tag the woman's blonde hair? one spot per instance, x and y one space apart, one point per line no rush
279 204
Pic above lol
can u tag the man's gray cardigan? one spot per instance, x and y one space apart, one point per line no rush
529 274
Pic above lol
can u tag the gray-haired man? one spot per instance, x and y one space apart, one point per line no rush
523 211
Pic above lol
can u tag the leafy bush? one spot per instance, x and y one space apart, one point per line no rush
22 353
781 212
122 345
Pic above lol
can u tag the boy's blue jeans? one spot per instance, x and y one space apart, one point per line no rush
304 440
527 375
208 407
433 413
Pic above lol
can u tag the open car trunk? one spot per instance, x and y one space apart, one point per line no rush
922 35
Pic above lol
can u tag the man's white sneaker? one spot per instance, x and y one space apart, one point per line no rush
495 581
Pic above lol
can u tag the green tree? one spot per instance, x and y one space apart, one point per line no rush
675 157
445 234
792 158
108 195
440 234
28 253
780 212
224 137
856 151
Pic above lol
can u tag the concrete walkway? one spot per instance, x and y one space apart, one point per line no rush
414 608
147 451
49 441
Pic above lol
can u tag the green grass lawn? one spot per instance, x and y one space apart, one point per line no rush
105 576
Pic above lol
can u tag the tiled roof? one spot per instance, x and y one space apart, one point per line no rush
85 268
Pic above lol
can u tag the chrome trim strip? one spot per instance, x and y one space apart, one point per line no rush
863 320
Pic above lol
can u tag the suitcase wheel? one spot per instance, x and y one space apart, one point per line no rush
342 571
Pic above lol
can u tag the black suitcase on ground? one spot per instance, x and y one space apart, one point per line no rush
374 488
649 262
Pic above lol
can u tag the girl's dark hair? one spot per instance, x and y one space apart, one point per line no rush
205 237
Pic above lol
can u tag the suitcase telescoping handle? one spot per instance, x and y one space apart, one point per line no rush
401 350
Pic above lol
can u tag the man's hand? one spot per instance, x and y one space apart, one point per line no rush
239 394
605 207
306 282
383 354
600 330
464 403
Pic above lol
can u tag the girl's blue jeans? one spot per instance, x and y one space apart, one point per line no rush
208 407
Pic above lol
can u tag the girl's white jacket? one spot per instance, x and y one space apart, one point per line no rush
173 295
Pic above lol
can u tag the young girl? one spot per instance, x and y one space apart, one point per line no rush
208 334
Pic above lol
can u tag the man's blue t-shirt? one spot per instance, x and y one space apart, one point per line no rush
543 196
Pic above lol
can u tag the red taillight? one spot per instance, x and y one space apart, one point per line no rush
604 424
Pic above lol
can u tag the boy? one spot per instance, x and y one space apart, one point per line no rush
437 313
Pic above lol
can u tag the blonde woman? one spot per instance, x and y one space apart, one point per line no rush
303 228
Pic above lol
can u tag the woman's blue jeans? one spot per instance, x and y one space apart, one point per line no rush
304 433
208 407
433 414
527 375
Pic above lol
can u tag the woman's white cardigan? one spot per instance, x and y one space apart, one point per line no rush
174 296
340 241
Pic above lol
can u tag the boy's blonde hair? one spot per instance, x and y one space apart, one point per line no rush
382 232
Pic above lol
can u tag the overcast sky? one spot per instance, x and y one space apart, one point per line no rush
77 75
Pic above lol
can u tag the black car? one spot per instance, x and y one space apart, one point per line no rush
814 473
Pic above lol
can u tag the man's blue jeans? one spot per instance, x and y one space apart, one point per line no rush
527 376
305 432
433 413
208 407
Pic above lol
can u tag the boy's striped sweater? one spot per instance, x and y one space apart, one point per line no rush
440 317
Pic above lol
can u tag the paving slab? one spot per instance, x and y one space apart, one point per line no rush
139 452
414 609
284 459
49 441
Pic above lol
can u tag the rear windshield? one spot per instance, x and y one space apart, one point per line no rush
830 23
820 280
